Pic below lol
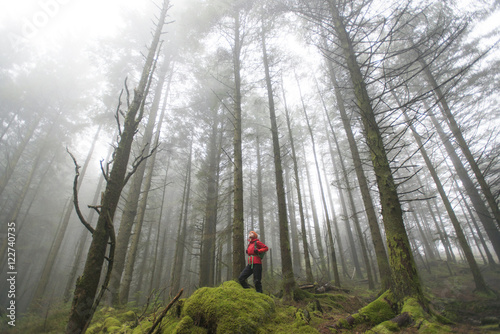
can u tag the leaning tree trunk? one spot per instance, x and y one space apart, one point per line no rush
405 280
462 143
141 212
86 286
286 256
134 192
478 203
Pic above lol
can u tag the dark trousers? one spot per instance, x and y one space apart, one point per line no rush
257 276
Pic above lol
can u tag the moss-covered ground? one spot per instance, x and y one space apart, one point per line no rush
231 309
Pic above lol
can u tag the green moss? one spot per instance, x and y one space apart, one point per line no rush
414 309
377 311
299 295
111 322
112 329
143 327
187 326
228 308
385 327
286 320
128 316
427 327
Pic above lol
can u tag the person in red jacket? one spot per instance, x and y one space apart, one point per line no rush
254 249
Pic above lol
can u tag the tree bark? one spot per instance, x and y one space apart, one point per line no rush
286 256
207 256
238 224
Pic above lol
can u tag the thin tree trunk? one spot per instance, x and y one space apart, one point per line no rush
334 216
457 133
286 256
478 203
134 192
141 213
378 243
333 257
180 246
305 244
154 270
317 230
208 242
476 273
297 267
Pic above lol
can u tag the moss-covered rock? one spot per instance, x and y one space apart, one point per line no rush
111 325
187 326
228 309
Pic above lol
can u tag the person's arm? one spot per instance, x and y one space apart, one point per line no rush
262 248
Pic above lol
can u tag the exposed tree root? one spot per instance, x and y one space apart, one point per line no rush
386 316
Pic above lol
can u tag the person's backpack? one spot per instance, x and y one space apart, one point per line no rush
261 255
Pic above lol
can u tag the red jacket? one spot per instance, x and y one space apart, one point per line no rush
251 251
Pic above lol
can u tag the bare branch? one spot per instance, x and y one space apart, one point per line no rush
138 161
151 331
75 194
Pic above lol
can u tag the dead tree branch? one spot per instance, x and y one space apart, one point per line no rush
75 194
151 331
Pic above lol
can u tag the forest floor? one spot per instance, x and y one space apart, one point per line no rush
449 289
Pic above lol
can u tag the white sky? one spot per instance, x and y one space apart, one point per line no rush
36 23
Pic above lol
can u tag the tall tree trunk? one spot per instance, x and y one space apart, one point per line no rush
141 213
208 249
333 257
86 287
260 200
134 192
476 273
462 143
180 245
442 236
405 280
286 256
378 243
305 244
296 259
238 224
153 283
317 230
478 203
354 254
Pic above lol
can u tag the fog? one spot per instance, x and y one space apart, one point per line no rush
69 70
